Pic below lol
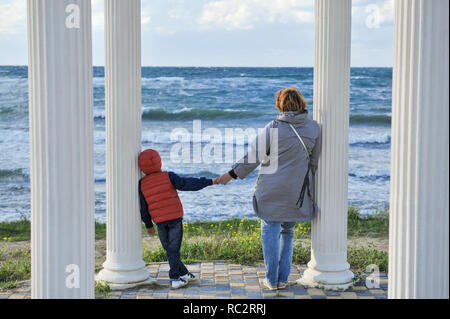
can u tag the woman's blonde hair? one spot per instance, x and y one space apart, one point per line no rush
291 100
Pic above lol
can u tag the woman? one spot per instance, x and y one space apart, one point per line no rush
283 197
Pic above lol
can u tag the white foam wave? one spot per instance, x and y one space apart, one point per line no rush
370 139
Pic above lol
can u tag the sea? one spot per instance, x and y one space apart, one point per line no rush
216 100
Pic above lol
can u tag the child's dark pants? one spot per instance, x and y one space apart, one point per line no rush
171 235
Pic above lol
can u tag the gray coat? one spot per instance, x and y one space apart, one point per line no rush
277 193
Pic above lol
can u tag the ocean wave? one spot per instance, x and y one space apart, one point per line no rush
159 114
165 138
370 176
373 118
168 78
206 174
100 176
99 113
383 139
14 110
189 114
98 81
200 114
13 174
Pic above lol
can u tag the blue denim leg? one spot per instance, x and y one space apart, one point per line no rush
270 237
171 236
287 241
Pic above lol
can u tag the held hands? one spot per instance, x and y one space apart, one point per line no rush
224 179
151 230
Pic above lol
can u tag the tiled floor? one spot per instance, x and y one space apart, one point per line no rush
222 280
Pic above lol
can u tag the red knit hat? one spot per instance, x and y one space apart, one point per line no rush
150 161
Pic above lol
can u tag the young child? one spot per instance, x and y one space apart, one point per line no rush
159 201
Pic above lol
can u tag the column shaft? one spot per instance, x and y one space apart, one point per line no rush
328 266
124 264
61 147
419 221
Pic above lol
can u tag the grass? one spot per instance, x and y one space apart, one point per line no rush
376 225
102 289
15 266
240 242
18 230
236 240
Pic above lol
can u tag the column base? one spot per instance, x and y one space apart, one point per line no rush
337 281
120 280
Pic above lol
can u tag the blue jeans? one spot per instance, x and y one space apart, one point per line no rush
171 235
277 242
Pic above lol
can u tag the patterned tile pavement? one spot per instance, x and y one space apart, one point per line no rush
222 280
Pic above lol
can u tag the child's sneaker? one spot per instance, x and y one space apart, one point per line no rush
175 284
188 277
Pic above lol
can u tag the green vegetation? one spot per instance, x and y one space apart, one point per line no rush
100 230
18 230
102 289
240 242
236 240
360 258
14 266
376 225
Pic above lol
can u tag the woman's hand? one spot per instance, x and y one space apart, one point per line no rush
151 230
224 179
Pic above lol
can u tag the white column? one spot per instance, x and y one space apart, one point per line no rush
419 220
61 143
124 266
328 267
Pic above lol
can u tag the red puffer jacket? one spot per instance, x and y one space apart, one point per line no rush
161 197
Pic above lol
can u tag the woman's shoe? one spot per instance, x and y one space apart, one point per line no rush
269 286
282 285
175 284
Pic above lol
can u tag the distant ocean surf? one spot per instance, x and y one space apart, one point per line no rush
221 98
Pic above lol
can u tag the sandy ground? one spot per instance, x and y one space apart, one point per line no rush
153 242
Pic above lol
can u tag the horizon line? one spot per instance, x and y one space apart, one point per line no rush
216 66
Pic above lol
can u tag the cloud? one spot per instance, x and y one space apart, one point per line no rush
13 17
387 11
179 13
145 14
98 15
246 14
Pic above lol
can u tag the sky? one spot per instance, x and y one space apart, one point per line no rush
224 33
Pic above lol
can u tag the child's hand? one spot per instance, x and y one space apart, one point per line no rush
151 230
216 181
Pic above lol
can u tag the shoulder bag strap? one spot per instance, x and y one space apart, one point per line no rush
301 140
